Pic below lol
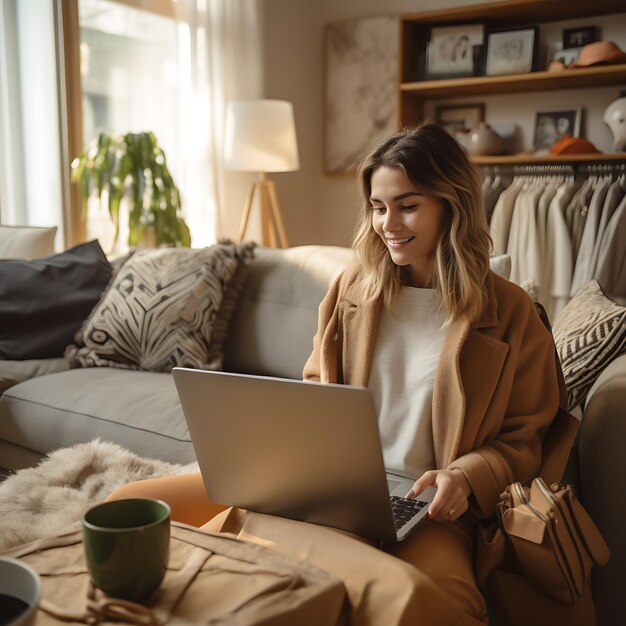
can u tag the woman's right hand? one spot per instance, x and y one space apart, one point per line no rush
453 492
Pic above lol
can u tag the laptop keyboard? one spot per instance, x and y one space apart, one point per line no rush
405 509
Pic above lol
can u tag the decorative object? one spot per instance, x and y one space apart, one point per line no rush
26 242
483 141
589 333
511 51
553 123
261 137
161 310
567 56
361 66
39 501
460 117
451 50
44 302
580 36
615 119
132 168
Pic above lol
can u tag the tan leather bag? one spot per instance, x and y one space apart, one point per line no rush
553 537
211 579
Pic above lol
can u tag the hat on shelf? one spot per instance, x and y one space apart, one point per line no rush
599 52
573 145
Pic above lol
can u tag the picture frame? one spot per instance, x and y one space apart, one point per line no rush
554 123
360 88
450 52
511 51
579 37
460 118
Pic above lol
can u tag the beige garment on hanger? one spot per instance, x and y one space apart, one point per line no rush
611 268
582 269
523 243
614 196
500 225
551 186
558 263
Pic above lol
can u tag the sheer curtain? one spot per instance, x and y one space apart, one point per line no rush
30 158
221 53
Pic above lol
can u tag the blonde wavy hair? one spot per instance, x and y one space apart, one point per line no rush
437 166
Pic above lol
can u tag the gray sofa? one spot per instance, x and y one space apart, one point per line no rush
270 333
45 406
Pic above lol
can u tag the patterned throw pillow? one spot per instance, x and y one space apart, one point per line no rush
589 333
166 307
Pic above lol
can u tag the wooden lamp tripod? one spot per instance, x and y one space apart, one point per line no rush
271 218
260 136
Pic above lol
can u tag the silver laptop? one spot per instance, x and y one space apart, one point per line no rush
296 449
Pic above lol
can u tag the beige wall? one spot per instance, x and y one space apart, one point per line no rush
319 208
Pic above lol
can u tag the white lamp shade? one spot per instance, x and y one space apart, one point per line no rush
260 136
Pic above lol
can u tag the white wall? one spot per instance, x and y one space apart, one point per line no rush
321 208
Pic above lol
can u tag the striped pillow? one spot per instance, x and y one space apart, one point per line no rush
589 333
166 307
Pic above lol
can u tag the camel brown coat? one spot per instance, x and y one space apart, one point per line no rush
496 388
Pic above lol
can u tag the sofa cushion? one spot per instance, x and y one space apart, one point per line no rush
589 333
161 310
138 410
14 372
271 332
26 242
44 302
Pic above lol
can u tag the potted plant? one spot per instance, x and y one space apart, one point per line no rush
132 168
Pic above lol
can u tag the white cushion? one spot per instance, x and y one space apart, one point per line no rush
501 265
26 242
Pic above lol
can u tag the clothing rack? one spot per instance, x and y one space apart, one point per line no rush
582 167
575 170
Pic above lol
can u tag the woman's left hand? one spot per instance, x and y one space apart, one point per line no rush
453 490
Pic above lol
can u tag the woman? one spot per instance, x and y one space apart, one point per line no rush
461 367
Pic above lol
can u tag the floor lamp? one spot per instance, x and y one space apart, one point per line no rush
260 136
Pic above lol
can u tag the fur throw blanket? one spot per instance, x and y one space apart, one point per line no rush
43 500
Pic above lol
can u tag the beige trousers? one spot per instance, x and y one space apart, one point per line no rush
431 583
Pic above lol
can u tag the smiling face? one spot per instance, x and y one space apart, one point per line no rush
408 221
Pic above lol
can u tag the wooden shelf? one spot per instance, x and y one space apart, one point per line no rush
579 78
519 11
530 159
415 96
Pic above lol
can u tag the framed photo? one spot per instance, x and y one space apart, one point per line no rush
581 36
451 50
551 124
360 90
460 117
511 51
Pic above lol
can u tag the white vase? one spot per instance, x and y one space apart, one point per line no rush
483 141
615 119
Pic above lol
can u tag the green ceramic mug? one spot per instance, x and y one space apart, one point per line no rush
127 546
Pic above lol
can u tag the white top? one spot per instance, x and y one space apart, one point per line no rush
406 355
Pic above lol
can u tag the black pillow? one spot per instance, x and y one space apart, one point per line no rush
44 302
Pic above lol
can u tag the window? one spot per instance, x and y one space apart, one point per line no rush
129 81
